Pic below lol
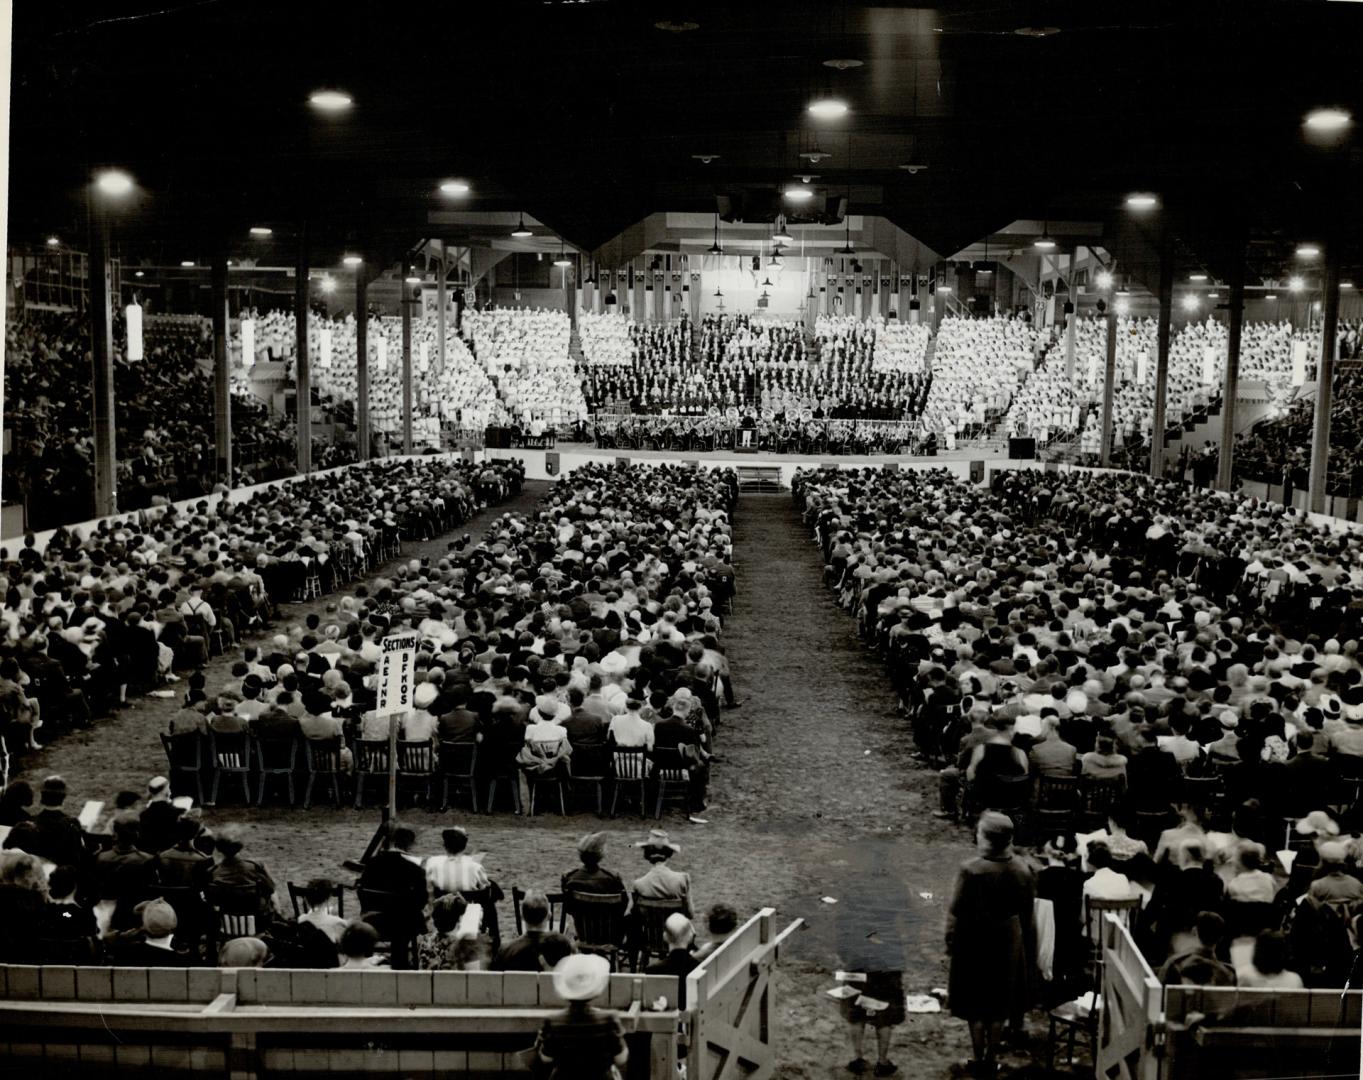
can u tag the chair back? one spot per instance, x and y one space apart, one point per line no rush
591 762
371 756
558 916
323 755
237 908
297 897
416 757
230 750
183 751
1057 792
598 918
1099 796
629 763
669 764
1005 792
653 920
458 759
277 755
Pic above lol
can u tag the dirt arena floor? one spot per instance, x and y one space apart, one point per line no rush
818 808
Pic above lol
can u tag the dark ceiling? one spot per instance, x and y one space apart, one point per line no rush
586 115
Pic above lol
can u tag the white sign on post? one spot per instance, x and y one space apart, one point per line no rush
397 669
324 346
1298 363
248 342
133 319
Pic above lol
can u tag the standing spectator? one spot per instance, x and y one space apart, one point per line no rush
991 938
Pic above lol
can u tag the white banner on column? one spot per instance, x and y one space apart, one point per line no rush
324 347
248 341
397 667
1298 363
133 317
424 356
1209 355
381 354
1142 367
1093 367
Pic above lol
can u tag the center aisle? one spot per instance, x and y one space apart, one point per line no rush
818 777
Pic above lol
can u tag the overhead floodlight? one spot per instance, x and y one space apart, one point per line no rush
1044 243
138 273
1197 277
1141 200
828 108
187 263
412 279
261 230
520 232
717 292
799 194
352 260
1213 296
815 155
1122 306
1190 302
782 236
114 182
1295 283
1307 251
563 262
454 187
1271 296
53 241
1104 279
328 284
944 288
1327 121
331 101
1346 284
705 159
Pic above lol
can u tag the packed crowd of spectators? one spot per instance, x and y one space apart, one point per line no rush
1159 685
582 638
151 890
92 618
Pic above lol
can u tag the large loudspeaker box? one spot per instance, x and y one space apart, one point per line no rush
1022 449
497 438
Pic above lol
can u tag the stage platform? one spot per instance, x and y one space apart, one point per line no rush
967 464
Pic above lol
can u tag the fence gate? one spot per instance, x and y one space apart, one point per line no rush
1132 1009
731 1004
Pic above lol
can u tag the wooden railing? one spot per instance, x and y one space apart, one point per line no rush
1153 1032
246 1023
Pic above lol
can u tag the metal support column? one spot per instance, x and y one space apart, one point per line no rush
1325 378
1109 383
302 365
441 303
222 389
362 363
1166 311
407 301
102 358
1071 323
1225 470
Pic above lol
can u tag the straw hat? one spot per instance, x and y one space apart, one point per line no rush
581 977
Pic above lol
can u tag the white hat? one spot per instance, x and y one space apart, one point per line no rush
581 977
424 694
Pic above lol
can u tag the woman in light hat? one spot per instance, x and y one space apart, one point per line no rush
582 1043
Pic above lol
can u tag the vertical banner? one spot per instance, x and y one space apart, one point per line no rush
1299 363
1209 355
248 342
133 317
397 668
1142 366
381 353
424 356
324 347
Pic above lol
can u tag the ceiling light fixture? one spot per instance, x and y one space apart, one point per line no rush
520 232
1270 296
676 26
1327 121
1346 284
1104 279
1190 302
828 108
705 159
138 273
1307 251
1037 31
352 260
114 182
799 194
187 263
332 101
1044 243
1141 200
261 230
1197 277
715 248
454 187
412 279
717 292
815 155
782 234
843 65
1213 296
1295 283
52 241
912 168
328 284
1122 306
562 262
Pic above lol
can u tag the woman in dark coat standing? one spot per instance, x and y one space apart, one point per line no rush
991 938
